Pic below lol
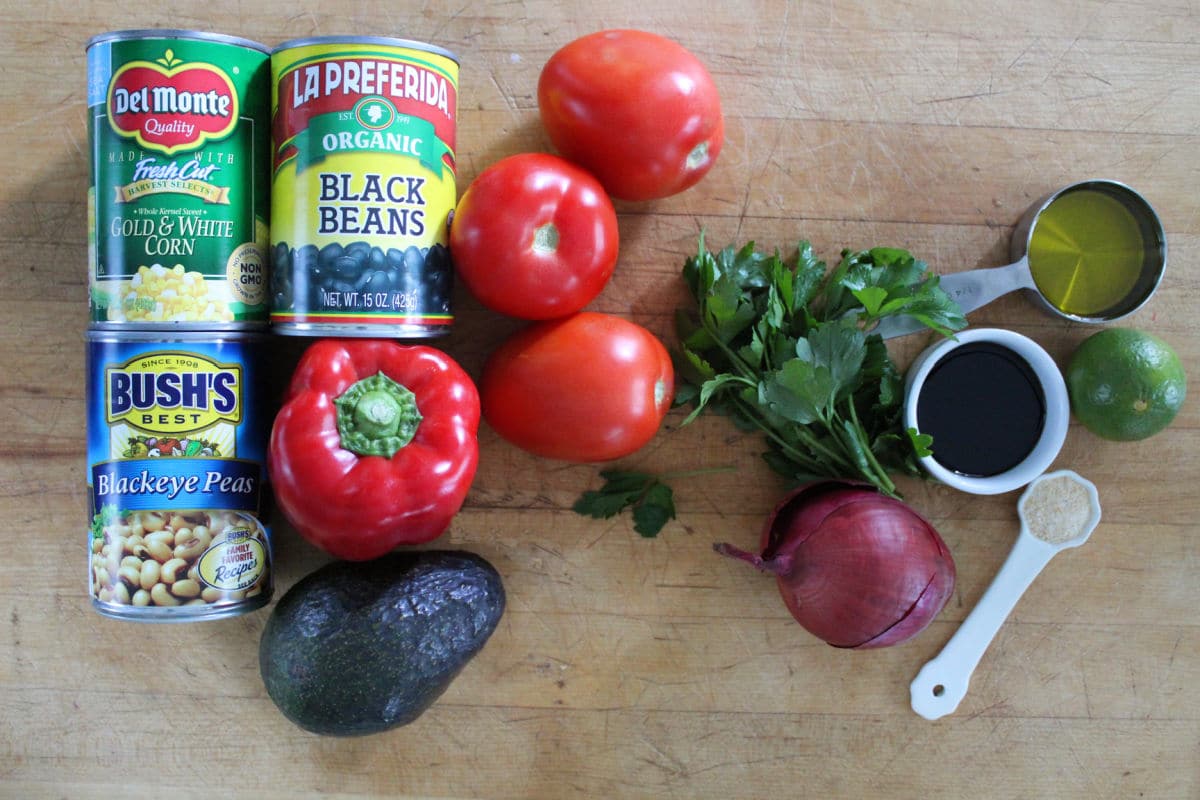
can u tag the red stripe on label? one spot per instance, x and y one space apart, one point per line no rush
381 319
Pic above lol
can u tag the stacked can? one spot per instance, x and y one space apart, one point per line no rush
363 187
178 238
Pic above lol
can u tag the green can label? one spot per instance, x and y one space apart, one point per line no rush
180 195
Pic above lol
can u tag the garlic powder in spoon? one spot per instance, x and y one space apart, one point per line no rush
1058 510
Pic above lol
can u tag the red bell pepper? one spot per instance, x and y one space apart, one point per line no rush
375 445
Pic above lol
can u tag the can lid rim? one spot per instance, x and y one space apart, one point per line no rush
384 40
175 33
164 335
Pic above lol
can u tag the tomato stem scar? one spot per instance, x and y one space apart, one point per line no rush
545 238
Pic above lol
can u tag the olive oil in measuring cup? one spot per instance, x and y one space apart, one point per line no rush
1091 252
1088 251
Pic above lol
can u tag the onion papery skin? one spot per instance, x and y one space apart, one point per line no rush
856 568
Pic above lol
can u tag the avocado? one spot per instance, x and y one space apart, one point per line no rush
361 647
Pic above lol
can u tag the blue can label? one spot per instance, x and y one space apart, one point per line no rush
176 471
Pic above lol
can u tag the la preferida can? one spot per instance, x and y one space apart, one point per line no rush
363 138
179 199
176 444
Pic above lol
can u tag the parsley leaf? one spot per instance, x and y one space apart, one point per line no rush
657 507
652 501
648 496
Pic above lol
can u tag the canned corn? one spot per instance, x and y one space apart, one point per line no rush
179 194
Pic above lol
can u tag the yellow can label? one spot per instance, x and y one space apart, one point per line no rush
363 137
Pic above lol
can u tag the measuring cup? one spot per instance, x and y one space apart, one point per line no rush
942 683
976 288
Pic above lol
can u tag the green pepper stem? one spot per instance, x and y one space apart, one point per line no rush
377 416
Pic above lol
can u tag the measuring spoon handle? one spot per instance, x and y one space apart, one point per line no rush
971 290
942 683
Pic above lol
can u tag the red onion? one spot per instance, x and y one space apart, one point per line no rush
855 567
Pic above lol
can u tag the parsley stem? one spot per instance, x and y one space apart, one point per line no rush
748 378
881 478
693 473
744 371
754 415
803 459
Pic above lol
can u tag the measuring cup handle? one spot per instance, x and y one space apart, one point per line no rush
942 683
977 287
971 290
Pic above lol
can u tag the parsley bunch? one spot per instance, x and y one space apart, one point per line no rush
784 347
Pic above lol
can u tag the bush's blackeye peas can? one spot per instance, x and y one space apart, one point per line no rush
363 187
178 200
176 468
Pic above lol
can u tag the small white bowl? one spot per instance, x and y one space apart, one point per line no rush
1054 427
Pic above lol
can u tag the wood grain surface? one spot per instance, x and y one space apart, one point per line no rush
627 667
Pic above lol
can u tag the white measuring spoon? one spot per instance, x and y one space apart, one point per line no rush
1059 510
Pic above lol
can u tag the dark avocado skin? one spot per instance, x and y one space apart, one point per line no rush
361 647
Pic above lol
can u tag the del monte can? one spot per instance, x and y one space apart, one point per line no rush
363 185
179 196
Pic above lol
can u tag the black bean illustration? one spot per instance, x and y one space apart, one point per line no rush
305 258
376 282
282 298
364 282
305 273
414 260
346 268
330 253
377 259
359 276
359 250
439 279
281 257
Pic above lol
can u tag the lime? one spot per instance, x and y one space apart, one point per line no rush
1125 384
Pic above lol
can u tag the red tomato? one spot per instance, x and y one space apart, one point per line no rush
534 237
590 387
638 111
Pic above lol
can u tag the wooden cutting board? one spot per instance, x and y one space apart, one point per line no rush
631 667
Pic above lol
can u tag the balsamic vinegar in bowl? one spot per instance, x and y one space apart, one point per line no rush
996 406
984 407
